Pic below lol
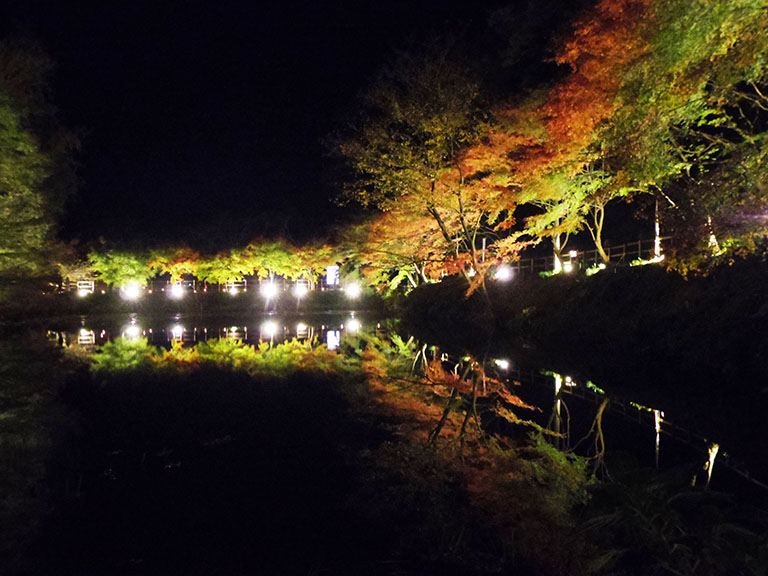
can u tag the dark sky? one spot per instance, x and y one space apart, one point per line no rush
201 116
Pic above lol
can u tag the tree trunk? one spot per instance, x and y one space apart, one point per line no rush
558 250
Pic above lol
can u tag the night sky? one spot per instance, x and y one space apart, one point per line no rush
201 122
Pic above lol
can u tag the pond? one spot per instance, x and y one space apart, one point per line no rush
567 403
326 444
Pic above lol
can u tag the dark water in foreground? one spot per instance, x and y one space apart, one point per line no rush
205 473
654 435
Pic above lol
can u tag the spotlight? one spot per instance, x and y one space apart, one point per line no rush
353 291
269 290
131 291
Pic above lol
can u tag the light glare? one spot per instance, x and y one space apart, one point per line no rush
131 291
353 291
269 290
132 332
177 291
504 273
300 291
269 329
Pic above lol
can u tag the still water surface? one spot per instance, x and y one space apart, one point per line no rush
567 404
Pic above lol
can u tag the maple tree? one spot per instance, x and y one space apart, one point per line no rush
120 267
177 262
695 131
420 115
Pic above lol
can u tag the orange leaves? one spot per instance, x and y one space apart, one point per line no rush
513 399
436 374
602 45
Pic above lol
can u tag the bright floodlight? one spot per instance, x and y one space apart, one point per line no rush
269 329
353 325
269 290
131 291
132 332
353 291
83 292
85 332
567 267
503 364
503 273
177 291
300 291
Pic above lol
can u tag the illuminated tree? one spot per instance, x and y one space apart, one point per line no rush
668 96
422 116
400 245
177 262
118 268
309 262
224 267
696 131
35 162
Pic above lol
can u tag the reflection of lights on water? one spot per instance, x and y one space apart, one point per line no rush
658 416
234 333
503 273
85 336
300 290
269 290
714 448
353 325
501 363
177 291
269 329
302 330
131 291
177 332
132 332
353 291
332 339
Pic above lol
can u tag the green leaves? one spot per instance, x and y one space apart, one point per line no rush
119 268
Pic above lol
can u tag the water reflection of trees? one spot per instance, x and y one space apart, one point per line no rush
445 451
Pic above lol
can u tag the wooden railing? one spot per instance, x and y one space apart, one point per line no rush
621 255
